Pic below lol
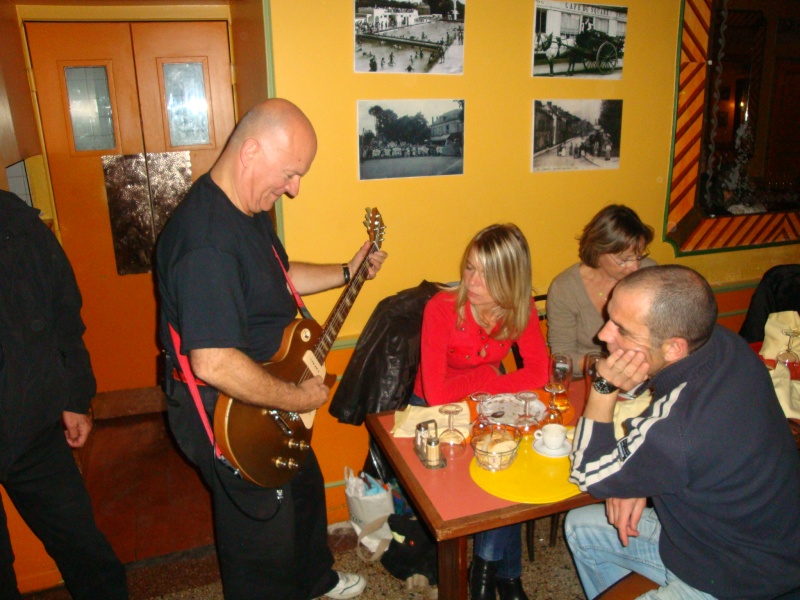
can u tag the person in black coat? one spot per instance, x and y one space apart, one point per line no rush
46 386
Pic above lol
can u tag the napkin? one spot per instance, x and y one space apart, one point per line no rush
628 409
405 421
774 340
787 390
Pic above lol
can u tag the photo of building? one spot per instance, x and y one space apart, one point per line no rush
582 40
410 138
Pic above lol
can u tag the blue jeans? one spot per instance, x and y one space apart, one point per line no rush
601 559
503 545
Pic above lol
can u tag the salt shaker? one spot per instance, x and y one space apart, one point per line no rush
432 450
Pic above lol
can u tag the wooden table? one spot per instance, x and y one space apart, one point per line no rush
452 505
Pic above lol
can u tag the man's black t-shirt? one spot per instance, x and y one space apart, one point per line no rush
219 279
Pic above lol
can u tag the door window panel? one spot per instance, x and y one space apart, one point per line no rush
187 106
90 108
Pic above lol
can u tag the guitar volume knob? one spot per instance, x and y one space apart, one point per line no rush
298 445
284 463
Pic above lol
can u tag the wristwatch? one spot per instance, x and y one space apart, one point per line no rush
602 386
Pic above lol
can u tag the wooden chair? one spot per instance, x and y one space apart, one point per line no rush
629 587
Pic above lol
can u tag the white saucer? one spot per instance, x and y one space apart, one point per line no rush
539 446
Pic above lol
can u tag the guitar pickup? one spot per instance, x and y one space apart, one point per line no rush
316 368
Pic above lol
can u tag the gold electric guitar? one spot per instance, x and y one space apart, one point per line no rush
268 446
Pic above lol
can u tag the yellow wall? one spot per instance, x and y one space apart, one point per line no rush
430 219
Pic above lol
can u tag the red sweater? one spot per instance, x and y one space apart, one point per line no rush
456 361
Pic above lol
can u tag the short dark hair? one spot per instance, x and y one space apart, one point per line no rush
614 229
683 304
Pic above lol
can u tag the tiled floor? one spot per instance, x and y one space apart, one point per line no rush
156 513
147 499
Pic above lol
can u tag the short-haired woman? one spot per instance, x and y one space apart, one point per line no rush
613 244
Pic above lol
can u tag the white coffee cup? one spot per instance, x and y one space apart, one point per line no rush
552 435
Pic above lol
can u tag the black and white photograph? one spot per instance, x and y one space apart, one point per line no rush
576 135
409 36
410 138
578 40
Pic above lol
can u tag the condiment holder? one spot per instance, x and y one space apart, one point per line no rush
426 446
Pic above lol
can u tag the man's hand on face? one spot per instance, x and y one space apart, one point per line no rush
624 368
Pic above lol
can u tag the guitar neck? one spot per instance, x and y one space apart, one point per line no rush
333 325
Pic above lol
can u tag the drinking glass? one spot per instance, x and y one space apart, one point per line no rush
451 440
590 368
560 375
553 415
525 422
788 356
481 422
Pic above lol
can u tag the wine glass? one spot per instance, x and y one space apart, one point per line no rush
481 422
788 356
553 415
451 440
560 375
525 422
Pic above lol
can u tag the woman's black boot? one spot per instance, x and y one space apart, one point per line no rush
510 589
481 579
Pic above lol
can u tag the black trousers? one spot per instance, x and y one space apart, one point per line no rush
47 489
267 548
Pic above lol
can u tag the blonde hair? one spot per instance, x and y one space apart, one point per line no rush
506 260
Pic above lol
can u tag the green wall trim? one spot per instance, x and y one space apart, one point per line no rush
734 287
732 313
270 60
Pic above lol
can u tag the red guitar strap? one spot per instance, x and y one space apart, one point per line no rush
297 298
186 369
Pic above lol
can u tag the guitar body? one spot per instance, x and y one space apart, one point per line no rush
268 446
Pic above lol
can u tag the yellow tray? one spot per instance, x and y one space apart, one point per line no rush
531 478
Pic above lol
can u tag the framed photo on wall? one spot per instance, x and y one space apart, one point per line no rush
415 38
576 135
573 39
410 138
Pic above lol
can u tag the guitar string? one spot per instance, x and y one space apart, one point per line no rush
339 313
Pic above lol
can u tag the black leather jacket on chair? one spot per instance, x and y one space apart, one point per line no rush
380 375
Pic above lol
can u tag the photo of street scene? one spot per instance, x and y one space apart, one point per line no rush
410 138
409 36
578 40
572 135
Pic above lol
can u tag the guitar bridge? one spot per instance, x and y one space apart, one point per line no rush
279 420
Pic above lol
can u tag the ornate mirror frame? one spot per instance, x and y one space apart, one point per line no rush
686 227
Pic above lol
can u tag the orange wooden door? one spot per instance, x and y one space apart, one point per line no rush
106 89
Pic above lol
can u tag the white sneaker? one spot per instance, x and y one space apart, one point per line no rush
350 585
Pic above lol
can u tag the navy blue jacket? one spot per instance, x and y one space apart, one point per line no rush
715 455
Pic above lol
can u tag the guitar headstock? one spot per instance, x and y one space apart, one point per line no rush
375 227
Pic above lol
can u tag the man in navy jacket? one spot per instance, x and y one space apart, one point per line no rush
713 453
